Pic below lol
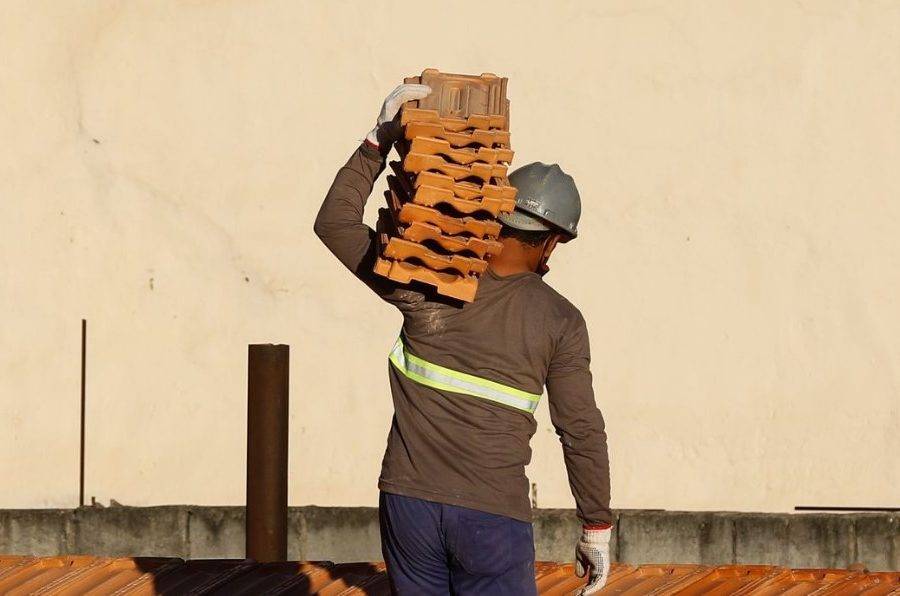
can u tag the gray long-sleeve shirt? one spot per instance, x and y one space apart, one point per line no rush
459 449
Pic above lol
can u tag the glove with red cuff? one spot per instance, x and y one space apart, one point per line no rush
592 556
387 130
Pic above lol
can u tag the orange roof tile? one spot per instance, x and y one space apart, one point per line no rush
95 576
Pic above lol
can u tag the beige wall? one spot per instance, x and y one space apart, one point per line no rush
161 163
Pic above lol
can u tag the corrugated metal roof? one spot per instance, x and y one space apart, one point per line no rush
95 576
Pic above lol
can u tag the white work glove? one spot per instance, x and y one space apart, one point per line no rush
592 557
384 132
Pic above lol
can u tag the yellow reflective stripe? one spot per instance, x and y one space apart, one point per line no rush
473 379
446 379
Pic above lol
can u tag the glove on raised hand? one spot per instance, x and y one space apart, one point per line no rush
386 130
592 557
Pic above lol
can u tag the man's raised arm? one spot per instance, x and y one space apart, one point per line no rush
339 223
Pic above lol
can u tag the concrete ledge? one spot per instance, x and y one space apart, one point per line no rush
41 532
675 537
344 534
334 534
555 533
131 531
760 538
877 540
807 540
216 532
821 540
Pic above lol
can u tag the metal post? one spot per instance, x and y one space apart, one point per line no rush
267 452
83 403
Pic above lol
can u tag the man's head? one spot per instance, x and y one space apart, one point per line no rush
548 208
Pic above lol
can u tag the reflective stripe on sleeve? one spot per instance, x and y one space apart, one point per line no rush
439 377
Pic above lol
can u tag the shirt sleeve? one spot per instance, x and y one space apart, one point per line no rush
579 423
339 224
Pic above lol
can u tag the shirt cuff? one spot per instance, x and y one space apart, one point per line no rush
371 151
599 526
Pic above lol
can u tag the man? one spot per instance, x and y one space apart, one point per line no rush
465 379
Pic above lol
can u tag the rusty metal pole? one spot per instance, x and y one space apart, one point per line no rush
267 452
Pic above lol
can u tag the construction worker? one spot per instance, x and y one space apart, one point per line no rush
466 378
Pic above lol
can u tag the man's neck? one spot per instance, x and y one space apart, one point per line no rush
514 258
505 269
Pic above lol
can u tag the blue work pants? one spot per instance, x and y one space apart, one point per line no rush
436 549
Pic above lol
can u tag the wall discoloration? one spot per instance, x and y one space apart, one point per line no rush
748 368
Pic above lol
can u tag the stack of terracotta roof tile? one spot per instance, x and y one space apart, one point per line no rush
441 227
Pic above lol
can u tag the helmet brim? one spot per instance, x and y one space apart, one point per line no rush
526 222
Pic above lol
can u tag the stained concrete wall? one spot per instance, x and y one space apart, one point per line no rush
345 534
738 265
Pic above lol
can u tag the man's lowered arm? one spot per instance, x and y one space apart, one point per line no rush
582 432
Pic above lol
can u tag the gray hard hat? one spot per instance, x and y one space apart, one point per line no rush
546 199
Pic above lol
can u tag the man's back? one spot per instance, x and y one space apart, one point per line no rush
460 446
472 450
465 381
